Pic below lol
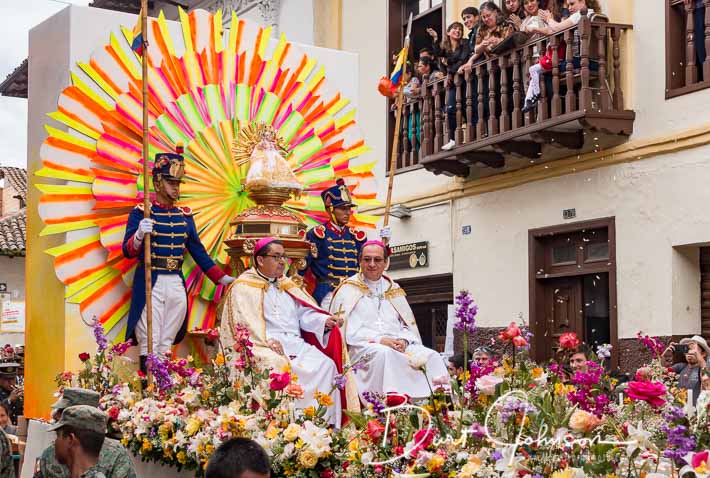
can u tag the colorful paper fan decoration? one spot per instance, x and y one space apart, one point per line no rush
205 84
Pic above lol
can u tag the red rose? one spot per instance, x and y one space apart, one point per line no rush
422 439
395 399
327 474
520 341
374 430
651 392
569 341
84 356
510 333
212 335
113 413
279 381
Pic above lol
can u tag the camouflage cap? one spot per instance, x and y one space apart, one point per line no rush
77 396
82 417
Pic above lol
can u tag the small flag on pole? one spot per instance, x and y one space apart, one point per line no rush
388 86
137 45
398 69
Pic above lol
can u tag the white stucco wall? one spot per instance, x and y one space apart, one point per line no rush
659 204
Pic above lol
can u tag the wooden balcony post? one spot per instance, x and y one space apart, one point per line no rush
481 126
570 97
504 116
616 52
527 63
469 108
556 100
458 134
425 148
543 111
492 120
416 132
517 117
585 93
706 63
404 136
691 71
437 116
603 87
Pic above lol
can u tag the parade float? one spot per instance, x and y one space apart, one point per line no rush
222 93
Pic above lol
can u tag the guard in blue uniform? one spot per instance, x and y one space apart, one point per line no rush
172 233
338 244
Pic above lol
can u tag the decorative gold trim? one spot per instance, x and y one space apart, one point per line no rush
345 259
156 256
340 241
248 246
170 224
336 249
344 268
169 234
169 213
170 246
251 135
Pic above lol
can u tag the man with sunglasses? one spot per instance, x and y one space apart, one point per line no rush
289 331
172 232
337 244
380 324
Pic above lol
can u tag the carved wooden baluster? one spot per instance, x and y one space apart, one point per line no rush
437 116
542 106
415 129
706 63
504 116
492 88
571 97
458 134
469 108
517 116
616 52
691 70
603 88
481 126
425 148
527 63
556 100
585 93
404 135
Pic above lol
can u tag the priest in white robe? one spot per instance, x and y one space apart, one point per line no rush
278 315
380 323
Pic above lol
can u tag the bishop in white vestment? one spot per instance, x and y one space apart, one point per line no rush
286 311
380 323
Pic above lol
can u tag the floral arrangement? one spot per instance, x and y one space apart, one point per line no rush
512 419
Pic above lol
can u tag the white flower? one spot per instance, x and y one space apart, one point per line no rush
418 361
366 458
509 462
541 380
487 384
316 438
639 437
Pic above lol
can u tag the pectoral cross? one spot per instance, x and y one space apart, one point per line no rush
339 314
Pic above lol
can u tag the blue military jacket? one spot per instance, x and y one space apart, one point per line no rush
174 234
337 258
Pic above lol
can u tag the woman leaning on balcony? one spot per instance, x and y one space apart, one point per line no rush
453 52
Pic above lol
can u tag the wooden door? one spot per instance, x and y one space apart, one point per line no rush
563 310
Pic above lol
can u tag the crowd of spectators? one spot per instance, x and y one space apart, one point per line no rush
488 28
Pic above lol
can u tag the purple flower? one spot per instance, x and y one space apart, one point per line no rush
496 455
466 312
160 368
377 405
339 381
679 443
99 335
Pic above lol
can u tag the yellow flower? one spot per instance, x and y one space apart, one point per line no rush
323 399
192 426
271 433
219 359
537 372
307 459
146 446
124 441
209 448
567 473
434 463
167 453
309 412
205 394
291 432
470 468
354 445
286 368
181 457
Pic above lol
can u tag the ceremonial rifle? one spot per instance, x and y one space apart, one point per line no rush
397 123
146 183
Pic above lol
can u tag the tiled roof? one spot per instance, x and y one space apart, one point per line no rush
17 179
13 230
128 6
16 82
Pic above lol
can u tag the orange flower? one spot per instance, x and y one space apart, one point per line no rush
294 390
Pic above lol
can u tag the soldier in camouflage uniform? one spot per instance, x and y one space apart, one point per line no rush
10 392
114 460
80 437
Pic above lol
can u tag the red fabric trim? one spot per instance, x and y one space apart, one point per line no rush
163 206
334 229
319 231
215 273
131 246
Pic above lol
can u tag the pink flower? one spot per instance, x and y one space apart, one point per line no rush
651 392
487 384
569 341
279 381
374 430
520 341
510 333
700 458
294 390
422 439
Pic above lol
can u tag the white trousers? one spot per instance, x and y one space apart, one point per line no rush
169 308
534 86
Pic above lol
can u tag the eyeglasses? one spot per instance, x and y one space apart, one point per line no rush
376 260
277 258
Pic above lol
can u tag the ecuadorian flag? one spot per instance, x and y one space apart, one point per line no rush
398 69
137 45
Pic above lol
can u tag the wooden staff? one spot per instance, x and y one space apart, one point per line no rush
397 123
146 181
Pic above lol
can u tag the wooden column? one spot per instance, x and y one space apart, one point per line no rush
616 52
571 97
517 116
691 71
504 116
556 100
603 88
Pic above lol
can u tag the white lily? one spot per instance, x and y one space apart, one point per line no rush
639 436
509 462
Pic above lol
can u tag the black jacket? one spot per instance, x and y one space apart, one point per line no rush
454 59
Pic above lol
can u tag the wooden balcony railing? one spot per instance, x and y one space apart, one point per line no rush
582 94
687 32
